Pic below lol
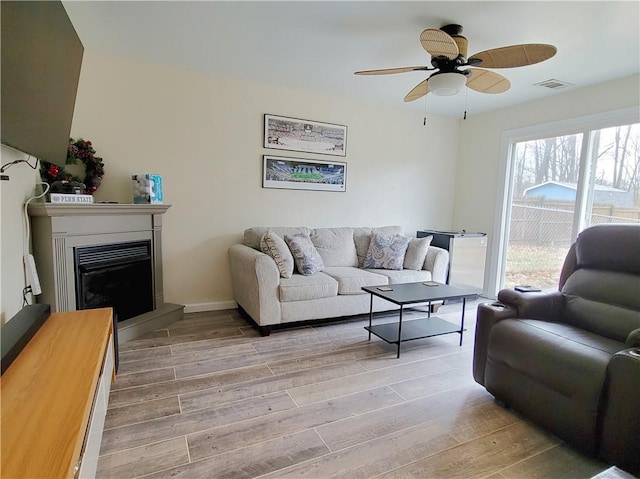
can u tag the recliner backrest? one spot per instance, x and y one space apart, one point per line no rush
601 280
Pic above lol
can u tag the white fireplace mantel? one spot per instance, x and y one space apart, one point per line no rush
59 228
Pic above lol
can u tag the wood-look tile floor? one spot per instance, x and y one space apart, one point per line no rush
208 397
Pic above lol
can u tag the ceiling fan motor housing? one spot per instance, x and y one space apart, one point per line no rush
455 32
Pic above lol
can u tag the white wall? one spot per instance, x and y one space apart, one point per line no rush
203 135
13 194
481 160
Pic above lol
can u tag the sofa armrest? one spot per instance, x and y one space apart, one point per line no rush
256 282
488 315
620 416
437 261
534 305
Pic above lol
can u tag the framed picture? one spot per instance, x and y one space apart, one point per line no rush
299 174
293 134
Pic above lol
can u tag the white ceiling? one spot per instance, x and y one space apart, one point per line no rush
318 45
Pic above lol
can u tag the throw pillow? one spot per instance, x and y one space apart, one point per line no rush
305 254
386 251
417 253
274 246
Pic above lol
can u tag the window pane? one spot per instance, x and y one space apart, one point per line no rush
615 183
545 177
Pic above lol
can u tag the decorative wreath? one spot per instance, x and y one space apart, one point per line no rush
78 150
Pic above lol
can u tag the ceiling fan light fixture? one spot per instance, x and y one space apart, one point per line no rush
446 84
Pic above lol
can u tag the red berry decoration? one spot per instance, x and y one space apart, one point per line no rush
78 150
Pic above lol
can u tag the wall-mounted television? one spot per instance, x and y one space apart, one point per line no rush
41 58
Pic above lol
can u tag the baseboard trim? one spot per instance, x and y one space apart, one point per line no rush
216 306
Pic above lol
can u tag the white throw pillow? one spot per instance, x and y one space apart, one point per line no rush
274 246
417 253
308 260
386 251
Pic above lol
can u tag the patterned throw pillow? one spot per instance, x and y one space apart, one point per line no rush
305 254
417 253
274 246
386 251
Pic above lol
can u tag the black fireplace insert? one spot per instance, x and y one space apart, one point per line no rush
117 275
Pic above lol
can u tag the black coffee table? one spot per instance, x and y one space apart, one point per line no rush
406 294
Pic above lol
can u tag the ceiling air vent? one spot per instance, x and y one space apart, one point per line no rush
553 84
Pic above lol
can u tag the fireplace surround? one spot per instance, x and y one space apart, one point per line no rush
62 233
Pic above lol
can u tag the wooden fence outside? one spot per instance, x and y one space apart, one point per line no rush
541 222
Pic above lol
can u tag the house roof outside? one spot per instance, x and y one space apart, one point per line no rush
562 191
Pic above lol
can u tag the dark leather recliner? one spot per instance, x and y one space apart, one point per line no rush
569 360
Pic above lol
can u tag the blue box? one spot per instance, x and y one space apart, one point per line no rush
147 189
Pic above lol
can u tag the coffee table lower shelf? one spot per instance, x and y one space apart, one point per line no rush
413 329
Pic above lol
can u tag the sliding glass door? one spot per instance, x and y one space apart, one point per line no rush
559 185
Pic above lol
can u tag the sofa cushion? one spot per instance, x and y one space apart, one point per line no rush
302 288
307 258
386 251
336 246
252 236
417 252
362 239
352 280
403 275
274 246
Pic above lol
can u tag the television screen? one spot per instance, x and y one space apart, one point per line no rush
41 58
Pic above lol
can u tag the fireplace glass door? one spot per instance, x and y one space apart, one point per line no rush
116 275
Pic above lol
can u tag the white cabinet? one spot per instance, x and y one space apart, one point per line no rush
467 256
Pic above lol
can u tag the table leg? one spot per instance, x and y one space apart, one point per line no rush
464 302
400 330
370 315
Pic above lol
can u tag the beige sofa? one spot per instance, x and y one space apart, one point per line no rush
336 291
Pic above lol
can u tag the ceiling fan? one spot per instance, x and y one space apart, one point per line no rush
448 50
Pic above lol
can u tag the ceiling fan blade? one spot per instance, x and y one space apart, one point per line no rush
486 81
439 44
420 90
515 55
388 71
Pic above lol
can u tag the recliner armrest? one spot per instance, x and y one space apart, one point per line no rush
620 415
534 305
488 315
633 339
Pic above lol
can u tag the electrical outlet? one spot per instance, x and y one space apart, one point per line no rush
32 274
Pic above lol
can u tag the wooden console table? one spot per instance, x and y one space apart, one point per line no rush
54 397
